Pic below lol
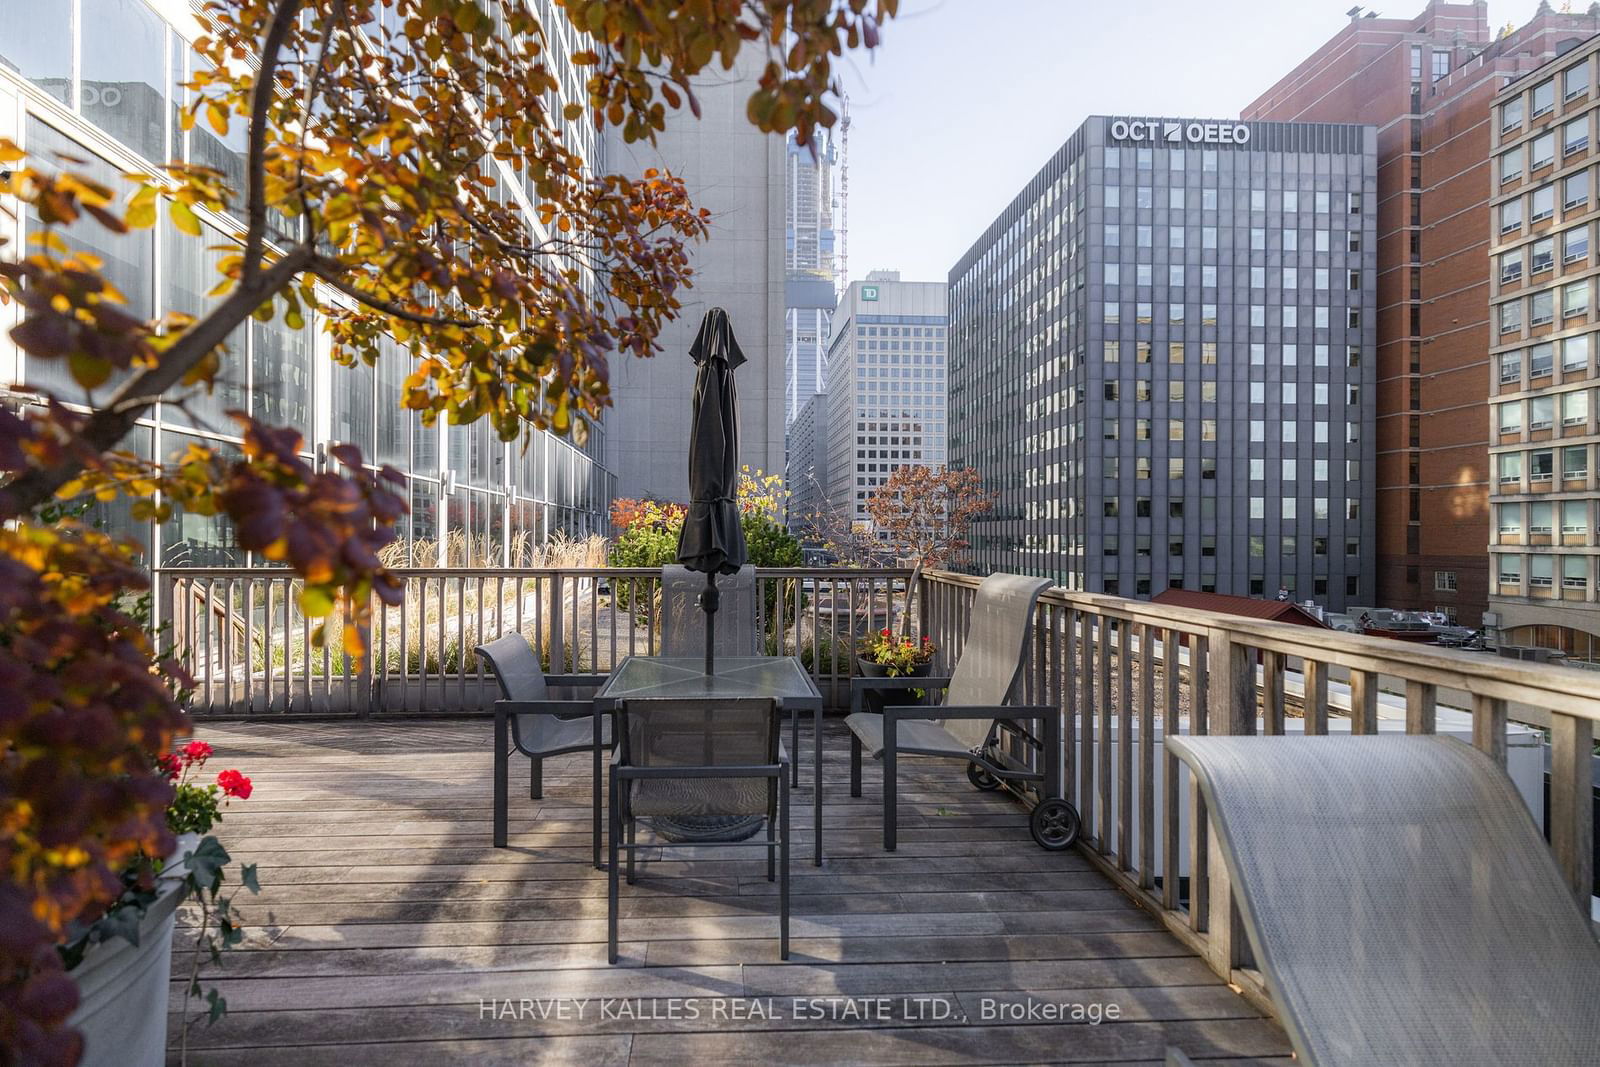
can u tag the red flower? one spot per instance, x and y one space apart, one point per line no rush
196 752
885 632
234 784
169 765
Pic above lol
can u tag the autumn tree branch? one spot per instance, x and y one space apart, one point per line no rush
256 167
104 428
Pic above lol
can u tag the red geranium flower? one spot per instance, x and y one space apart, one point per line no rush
196 752
234 784
169 765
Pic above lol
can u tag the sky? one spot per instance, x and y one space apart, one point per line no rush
966 99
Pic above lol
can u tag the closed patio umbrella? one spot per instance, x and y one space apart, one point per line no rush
712 541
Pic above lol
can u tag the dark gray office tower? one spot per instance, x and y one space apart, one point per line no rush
1161 355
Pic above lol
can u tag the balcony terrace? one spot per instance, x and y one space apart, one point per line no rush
389 930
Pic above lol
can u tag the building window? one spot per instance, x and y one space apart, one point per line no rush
1541 151
1574 572
1541 465
1574 81
1541 572
1541 308
1444 581
1544 203
1510 216
1574 517
1509 519
1542 257
1575 300
1509 570
1544 97
1575 245
1541 412
1575 408
1575 191
1510 266
1541 360
1510 468
1575 136
1441 64
1511 114
1575 354
1511 417
1575 462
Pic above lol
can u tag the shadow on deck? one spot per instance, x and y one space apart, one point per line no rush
389 931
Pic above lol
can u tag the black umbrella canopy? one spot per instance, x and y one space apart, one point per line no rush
712 539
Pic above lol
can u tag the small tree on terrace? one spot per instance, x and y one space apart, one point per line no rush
924 514
394 151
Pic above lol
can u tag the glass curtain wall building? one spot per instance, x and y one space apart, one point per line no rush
100 80
1160 355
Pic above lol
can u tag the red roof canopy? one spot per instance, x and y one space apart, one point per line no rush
1249 607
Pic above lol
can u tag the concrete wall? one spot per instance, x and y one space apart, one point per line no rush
736 172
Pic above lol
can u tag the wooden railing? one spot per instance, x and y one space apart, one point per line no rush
252 651
1127 673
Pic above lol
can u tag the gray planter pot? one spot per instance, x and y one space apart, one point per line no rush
122 990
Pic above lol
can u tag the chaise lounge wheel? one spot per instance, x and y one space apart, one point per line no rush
981 779
1054 825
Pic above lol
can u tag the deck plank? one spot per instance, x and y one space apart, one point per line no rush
388 931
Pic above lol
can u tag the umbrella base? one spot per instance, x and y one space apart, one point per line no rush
689 829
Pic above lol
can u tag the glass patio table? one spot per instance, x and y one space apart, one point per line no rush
779 678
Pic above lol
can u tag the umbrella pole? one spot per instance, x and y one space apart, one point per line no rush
708 604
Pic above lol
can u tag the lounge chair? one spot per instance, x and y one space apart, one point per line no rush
975 711
539 727
694 758
1401 904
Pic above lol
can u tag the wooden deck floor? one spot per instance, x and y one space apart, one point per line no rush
389 931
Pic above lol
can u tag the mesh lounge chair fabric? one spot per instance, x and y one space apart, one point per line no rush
990 663
683 624
1400 901
678 733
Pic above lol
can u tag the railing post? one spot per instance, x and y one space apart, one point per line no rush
558 642
1572 802
1363 702
1489 727
1232 712
1314 696
1422 703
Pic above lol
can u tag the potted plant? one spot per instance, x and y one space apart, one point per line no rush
887 655
121 962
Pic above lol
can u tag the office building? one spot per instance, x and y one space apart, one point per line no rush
886 387
807 477
99 80
810 266
1161 357
1426 83
1542 354
737 173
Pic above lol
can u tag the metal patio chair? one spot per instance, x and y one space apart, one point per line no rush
539 726
975 712
683 624
740 628
1400 902
696 758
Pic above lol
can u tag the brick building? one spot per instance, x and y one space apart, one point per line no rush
1427 84
1543 354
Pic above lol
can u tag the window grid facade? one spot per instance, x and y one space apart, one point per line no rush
886 387
99 80
1189 410
1544 332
